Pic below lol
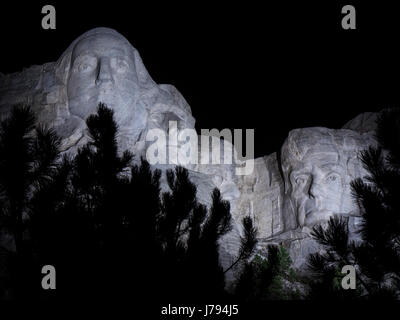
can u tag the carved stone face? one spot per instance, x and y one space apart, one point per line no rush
318 168
102 70
319 188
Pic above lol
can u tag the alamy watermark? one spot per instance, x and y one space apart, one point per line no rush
349 280
49 280
349 20
49 20
182 147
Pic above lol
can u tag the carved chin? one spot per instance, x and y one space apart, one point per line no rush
109 100
309 212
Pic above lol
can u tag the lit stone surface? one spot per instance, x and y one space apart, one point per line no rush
364 123
309 184
99 66
318 165
261 195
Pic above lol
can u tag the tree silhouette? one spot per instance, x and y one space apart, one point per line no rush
248 243
377 254
205 263
104 223
190 238
16 168
28 166
97 207
262 279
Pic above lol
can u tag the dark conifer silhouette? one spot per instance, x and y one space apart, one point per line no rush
99 187
28 166
190 238
263 278
206 268
104 223
377 254
248 243
17 170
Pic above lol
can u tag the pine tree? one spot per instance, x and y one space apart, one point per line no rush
16 169
267 278
248 243
140 246
326 267
29 157
190 236
97 207
104 223
209 272
377 255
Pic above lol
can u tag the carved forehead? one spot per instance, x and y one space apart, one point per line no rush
320 146
94 40
322 159
103 43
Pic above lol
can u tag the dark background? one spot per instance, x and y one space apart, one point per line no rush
271 67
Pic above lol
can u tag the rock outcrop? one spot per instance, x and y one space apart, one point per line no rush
288 192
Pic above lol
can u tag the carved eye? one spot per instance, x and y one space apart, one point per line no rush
122 64
301 180
119 64
83 67
86 64
332 178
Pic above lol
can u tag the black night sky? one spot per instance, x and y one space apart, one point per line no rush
270 67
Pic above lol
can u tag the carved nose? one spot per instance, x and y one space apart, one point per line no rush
104 72
312 190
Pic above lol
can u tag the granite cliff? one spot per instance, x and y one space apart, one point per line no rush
287 193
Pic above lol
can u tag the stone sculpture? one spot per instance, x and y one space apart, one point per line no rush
99 66
288 192
318 165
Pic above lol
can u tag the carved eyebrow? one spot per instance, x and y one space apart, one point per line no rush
332 166
83 54
121 58
118 55
295 174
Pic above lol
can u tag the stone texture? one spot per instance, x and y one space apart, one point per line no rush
304 183
99 66
363 123
318 165
261 195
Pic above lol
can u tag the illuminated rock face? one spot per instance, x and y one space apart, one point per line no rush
99 66
288 192
318 165
102 68
306 185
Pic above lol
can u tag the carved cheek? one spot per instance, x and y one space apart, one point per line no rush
120 65
334 184
125 80
79 82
